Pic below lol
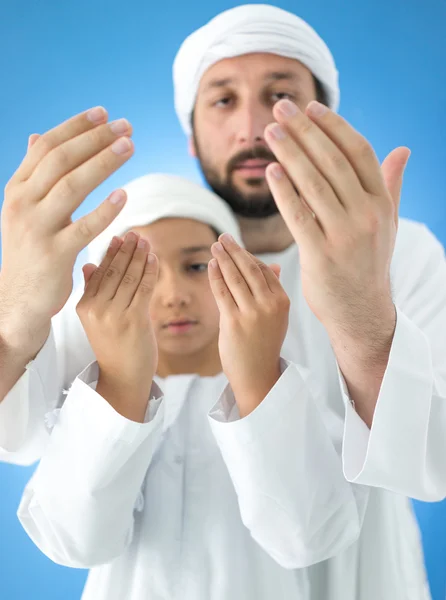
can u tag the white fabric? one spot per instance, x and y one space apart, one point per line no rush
213 486
405 451
385 559
245 30
158 196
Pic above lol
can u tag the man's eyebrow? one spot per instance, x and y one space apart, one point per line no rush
282 75
194 249
218 83
273 76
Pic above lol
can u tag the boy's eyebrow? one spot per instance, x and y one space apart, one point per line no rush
194 249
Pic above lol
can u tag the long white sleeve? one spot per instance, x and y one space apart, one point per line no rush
66 352
79 506
22 428
287 474
405 450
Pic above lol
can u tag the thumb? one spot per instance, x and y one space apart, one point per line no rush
276 269
392 169
88 271
32 140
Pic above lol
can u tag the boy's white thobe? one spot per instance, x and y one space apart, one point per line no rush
197 506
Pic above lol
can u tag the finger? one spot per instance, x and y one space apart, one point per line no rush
276 269
93 279
117 269
393 169
66 157
76 236
234 280
355 147
312 185
322 152
272 279
132 277
247 266
58 135
88 271
70 191
144 292
303 226
32 140
223 297
273 283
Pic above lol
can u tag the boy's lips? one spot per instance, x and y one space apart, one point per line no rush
180 325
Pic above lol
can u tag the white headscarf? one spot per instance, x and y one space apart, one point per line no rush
158 196
244 30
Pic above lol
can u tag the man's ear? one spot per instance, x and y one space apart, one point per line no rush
191 147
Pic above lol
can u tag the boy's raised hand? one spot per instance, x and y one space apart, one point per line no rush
254 312
114 311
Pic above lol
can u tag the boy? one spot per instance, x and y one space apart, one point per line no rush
141 485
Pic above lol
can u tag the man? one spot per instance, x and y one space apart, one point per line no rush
254 65
349 327
385 321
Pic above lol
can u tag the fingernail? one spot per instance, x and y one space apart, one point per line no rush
97 114
276 171
218 247
151 258
121 146
119 126
287 108
141 243
316 109
277 132
213 263
227 237
117 197
130 237
113 242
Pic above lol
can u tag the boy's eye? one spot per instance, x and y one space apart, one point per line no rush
221 102
198 267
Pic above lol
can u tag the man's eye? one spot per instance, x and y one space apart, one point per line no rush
282 96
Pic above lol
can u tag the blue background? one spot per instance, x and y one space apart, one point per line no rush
58 58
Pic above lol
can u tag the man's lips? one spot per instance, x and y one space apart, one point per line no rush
254 167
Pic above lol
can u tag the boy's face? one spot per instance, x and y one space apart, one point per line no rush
183 309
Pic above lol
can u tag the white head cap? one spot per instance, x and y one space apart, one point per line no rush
158 196
245 30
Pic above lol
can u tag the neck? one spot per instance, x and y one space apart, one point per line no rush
265 235
206 362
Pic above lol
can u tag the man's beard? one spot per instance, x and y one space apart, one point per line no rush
258 204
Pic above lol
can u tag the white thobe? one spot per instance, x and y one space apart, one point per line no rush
199 505
405 450
188 505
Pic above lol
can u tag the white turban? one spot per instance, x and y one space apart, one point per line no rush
157 196
244 30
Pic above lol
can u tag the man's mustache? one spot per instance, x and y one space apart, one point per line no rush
259 152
